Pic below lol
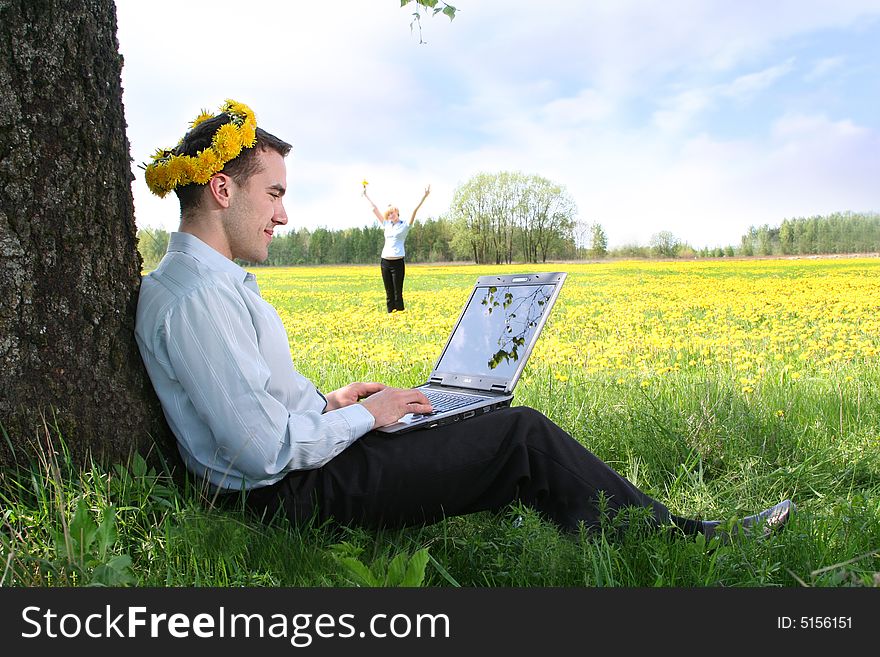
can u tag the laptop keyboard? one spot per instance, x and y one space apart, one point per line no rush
444 401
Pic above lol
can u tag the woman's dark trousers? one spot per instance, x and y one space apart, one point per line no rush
393 272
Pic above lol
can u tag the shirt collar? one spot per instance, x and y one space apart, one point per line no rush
207 255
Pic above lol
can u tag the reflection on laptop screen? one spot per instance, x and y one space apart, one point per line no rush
495 330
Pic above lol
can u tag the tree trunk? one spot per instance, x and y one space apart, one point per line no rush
69 266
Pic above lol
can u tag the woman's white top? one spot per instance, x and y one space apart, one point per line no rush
395 236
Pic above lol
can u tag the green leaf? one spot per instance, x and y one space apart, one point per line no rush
116 572
449 11
415 570
82 531
359 573
396 570
404 3
138 466
107 532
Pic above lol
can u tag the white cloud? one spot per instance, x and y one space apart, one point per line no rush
587 107
824 67
683 109
745 87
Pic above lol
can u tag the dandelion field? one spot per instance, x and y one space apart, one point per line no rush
717 387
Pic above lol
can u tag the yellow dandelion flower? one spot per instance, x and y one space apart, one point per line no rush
177 171
248 135
156 180
233 107
205 165
205 115
227 142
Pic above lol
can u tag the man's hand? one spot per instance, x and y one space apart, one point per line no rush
351 394
391 404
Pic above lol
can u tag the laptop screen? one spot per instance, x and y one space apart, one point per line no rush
496 330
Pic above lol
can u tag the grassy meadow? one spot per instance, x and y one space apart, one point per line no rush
719 387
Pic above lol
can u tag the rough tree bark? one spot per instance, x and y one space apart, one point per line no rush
69 266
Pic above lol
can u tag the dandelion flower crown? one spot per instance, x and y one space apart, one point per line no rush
169 170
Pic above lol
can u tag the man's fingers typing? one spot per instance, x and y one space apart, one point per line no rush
389 405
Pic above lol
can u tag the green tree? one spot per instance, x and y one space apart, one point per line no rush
665 245
497 217
598 241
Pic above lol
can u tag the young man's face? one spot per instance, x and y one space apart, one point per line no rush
256 209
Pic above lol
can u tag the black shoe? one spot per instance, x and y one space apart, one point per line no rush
761 524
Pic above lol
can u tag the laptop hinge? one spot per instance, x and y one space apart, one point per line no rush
498 387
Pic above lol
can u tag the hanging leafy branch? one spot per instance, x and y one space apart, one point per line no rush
433 6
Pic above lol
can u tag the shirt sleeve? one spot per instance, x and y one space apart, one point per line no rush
213 349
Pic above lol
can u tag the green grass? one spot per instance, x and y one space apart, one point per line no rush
699 446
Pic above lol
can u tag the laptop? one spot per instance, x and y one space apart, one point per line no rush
487 349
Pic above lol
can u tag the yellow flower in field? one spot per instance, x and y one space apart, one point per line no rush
628 322
780 413
560 377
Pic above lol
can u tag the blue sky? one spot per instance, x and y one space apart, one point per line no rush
698 117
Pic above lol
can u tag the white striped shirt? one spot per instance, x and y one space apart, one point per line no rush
219 360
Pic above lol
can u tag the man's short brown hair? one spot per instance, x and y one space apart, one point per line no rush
240 168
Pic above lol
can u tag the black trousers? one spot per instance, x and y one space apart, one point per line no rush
393 272
484 463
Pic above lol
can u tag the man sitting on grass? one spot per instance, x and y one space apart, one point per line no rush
246 420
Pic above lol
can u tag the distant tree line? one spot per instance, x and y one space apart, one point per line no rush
432 240
428 241
841 232
505 218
